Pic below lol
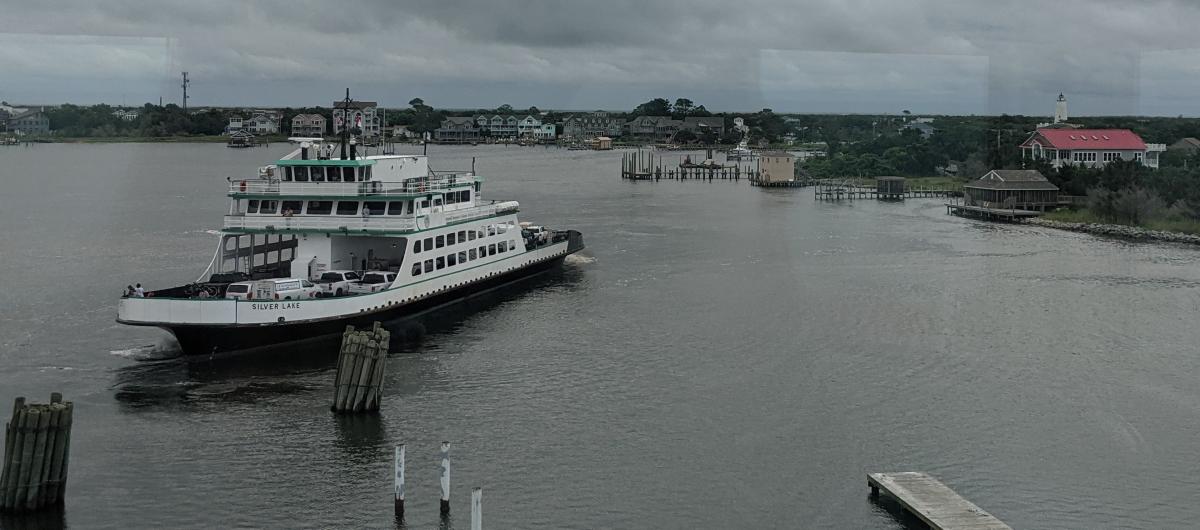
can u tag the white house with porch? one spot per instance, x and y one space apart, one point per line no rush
1089 147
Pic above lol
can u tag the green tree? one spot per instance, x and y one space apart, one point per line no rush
654 107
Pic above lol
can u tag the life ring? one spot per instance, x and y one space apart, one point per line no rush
243 185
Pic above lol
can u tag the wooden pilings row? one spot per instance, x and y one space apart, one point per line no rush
444 479
37 444
641 165
360 367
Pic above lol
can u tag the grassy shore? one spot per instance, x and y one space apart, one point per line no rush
1083 215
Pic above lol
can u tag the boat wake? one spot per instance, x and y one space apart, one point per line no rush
576 259
166 348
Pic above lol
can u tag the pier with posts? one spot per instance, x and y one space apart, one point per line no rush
837 190
37 446
358 386
933 502
646 165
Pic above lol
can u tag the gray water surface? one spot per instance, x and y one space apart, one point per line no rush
721 357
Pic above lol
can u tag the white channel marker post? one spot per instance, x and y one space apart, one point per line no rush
477 509
399 493
445 478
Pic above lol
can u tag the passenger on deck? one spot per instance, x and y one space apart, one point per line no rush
129 291
204 293
138 292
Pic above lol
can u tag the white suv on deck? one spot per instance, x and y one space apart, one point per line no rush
273 289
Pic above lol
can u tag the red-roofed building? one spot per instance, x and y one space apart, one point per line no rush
1089 147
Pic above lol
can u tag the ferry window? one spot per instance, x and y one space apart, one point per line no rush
480 232
472 254
317 174
252 206
502 246
462 257
368 172
348 174
441 263
429 243
425 203
437 201
482 251
294 206
301 173
416 269
267 206
492 249
450 238
352 276
428 265
396 208
287 174
462 236
449 198
375 208
464 196
347 208
417 246
451 260
408 206
492 230
471 236
441 241
320 207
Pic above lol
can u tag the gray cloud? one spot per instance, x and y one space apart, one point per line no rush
823 56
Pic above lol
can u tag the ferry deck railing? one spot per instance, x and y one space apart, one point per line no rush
356 223
369 187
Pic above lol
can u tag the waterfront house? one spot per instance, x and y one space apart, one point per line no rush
1023 189
546 132
699 125
361 114
528 125
308 125
776 166
125 115
658 128
1089 147
591 125
923 128
458 129
263 122
1187 146
31 121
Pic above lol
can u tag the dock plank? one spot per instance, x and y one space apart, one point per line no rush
933 502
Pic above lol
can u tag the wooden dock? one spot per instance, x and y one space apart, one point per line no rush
835 190
933 502
990 214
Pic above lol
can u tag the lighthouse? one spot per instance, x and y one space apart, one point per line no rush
1060 109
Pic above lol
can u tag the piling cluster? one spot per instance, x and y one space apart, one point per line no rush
360 368
37 442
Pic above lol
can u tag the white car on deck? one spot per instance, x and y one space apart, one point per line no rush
337 283
273 289
373 282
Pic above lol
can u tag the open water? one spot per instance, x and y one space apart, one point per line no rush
719 357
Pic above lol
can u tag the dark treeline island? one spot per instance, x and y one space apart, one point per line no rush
954 148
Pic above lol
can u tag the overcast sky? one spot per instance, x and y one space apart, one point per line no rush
951 57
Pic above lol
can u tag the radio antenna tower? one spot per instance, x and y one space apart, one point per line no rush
185 84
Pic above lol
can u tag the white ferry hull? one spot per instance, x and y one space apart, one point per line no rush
205 327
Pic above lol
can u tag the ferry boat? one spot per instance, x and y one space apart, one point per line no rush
313 212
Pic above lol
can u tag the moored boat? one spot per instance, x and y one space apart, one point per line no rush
312 212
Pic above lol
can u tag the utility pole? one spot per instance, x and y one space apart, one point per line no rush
185 84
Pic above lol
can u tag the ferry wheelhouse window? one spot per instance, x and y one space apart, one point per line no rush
286 174
301 173
428 265
320 207
317 174
464 196
294 206
395 208
437 201
441 241
375 207
252 206
347 207
268 206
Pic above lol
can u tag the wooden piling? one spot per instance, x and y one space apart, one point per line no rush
37 445
399 489
445 478
360 367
